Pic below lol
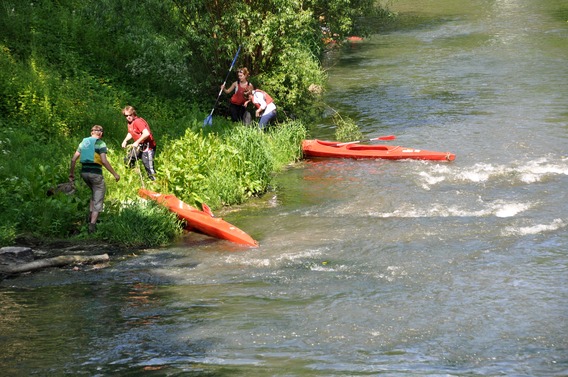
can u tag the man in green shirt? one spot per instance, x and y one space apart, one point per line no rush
92 153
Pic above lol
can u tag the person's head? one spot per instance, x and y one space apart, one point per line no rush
97 131
248 92
243 73
129 112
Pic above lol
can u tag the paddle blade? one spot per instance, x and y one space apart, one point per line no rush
208 121
390 137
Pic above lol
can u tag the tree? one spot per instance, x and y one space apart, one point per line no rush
282 40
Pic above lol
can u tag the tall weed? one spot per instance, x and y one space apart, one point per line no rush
140 224
285 143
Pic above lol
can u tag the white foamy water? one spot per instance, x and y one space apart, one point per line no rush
533 171
556 224
499 209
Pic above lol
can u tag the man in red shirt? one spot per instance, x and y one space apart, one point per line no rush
139 131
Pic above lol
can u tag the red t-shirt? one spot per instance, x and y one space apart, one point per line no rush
239 97
135 130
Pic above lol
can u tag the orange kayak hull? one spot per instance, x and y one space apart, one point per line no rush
320 148
354 38
199 220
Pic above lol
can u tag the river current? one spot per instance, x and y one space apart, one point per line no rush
391 268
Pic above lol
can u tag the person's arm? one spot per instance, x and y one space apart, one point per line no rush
259 98
128 137
107 165
73 164
144 136
231 88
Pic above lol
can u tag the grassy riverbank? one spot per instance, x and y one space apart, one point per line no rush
45 116
222 165
69 65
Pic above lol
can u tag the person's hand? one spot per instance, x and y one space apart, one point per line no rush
117 177
124 144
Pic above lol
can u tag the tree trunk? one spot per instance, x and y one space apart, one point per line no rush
62 260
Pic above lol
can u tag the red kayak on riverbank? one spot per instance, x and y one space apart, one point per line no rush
334 149
200 220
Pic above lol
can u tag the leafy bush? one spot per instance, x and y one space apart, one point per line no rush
7 235
346 128
227 168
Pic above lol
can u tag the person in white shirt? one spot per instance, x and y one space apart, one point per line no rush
265 106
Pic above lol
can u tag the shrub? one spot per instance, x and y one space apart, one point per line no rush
139 224
346 129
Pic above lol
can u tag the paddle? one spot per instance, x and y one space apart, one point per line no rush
390 137
209 120
132 151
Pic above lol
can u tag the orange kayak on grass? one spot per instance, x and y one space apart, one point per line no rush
320 148
200 220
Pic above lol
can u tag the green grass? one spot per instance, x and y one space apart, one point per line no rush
221 166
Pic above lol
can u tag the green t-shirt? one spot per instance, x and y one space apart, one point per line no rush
91 149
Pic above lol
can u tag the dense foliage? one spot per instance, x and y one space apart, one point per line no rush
68 64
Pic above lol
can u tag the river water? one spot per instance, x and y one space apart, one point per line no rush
364 267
